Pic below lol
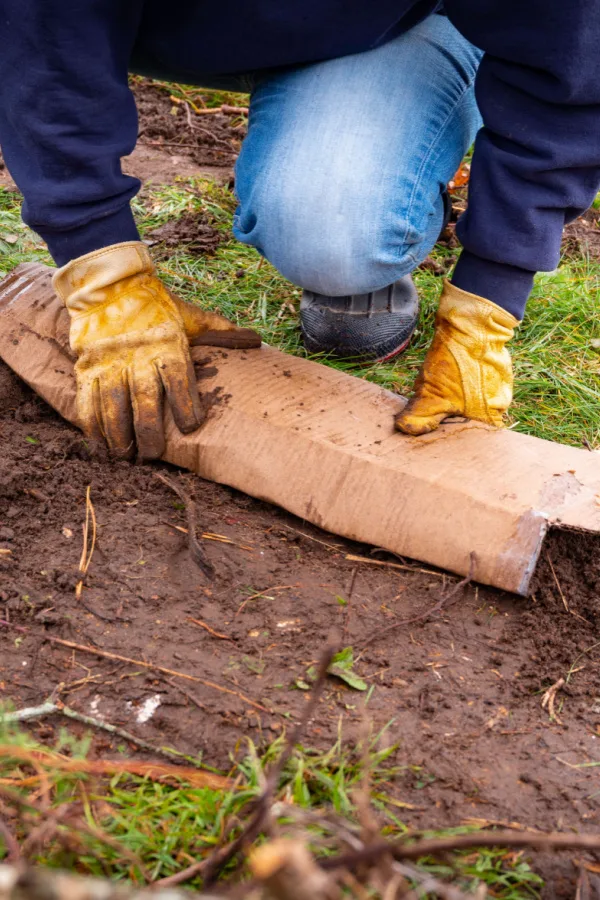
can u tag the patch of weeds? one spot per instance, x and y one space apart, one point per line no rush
130 828
18 243
506 873
199 97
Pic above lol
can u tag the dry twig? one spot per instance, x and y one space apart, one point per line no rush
439 847
156 771
52 706
351 557
442 603
262 805
86 554
83 648
217 634
549 699
557 582
190 511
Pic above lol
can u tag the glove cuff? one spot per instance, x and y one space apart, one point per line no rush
454 298
83 282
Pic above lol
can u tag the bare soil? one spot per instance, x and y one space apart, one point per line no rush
193 232
582 237
212 139
463 687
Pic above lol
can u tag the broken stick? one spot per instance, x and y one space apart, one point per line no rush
196 550
140 662
261 808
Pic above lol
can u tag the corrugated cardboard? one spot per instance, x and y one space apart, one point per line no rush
321 444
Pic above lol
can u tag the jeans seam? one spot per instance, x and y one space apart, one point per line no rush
428 157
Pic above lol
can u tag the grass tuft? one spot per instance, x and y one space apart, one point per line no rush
132 828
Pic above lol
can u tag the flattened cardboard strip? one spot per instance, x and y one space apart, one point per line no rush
321 444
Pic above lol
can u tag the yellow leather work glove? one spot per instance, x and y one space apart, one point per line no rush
132 337
467 370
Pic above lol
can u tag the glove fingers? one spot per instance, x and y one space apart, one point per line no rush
203 327
88 410
234 339
418 417
147 400
112 404
179 380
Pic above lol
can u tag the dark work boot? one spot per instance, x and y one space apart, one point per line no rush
374 326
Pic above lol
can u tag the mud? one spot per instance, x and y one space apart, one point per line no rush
463 689
582 237
212 140
192 232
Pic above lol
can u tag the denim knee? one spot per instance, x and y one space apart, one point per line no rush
335 239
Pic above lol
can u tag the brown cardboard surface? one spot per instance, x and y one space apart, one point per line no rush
321 444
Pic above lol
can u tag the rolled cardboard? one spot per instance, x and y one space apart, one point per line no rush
321 444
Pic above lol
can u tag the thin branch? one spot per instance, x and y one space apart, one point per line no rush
190 511
402 850
10 843
423 617
105 654
252 829
187 874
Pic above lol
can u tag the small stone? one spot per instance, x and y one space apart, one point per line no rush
6 534
12 512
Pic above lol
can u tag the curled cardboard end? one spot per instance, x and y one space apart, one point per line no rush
321 444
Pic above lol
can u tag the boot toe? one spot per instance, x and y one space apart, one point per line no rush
374 326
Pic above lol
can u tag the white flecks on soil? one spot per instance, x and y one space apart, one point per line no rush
146 709
95 707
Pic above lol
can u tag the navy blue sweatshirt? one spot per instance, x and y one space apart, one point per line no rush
67 115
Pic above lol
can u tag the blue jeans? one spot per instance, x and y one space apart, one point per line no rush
339 180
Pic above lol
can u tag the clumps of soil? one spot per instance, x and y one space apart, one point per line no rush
13 392
192 232
212 140
582 237
566 585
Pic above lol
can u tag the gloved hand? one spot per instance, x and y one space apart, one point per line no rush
131 337
467 370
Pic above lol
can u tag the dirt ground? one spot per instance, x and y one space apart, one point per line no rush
464 689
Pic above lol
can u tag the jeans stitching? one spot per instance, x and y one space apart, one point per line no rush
434 145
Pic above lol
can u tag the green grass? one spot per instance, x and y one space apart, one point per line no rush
557 370
127 827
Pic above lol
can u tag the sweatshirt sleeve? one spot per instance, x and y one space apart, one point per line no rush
67 117
536 163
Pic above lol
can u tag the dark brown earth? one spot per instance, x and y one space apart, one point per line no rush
192 231
212 139
582 237
463 688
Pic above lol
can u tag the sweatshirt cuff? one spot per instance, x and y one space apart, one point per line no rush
507 286
116 228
